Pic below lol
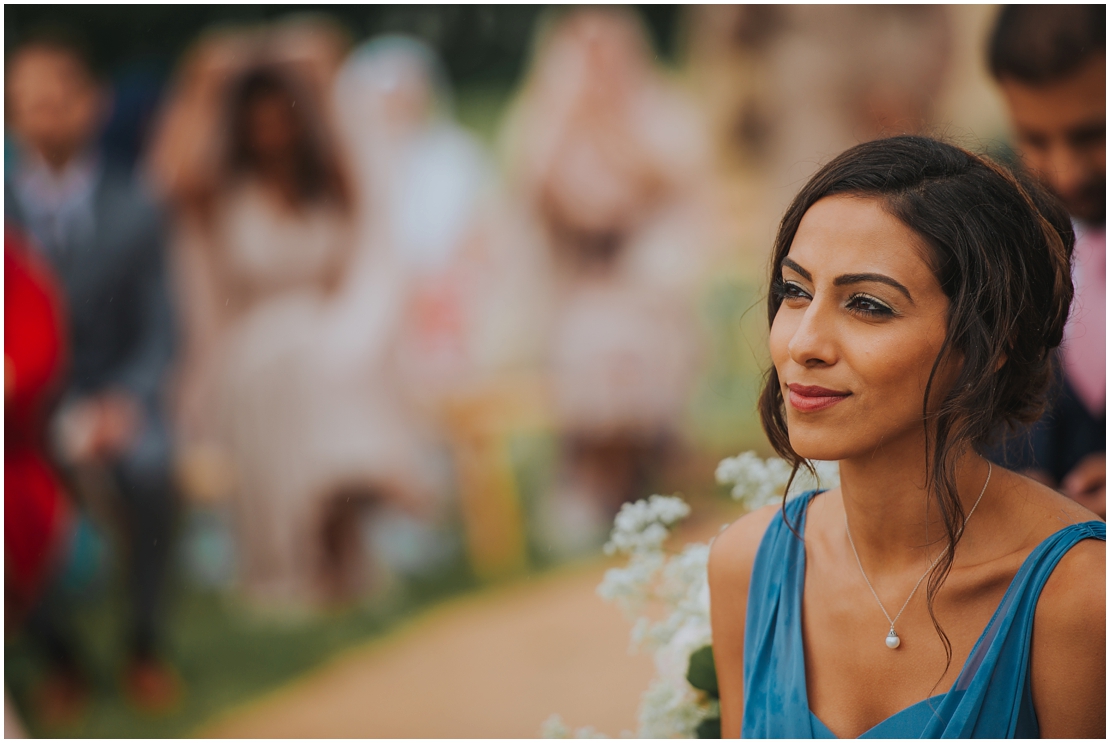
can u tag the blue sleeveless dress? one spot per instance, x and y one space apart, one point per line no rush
991 697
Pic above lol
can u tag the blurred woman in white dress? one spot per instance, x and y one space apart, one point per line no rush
264 249
610 162
432 253
421 180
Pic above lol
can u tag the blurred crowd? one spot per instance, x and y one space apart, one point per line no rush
317 305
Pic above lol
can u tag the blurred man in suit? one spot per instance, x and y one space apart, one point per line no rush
103 239
1050 62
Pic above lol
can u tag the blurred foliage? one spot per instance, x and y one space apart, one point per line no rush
485 48
702 674
478 43
723 409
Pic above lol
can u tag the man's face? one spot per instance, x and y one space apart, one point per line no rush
53 104
1061 132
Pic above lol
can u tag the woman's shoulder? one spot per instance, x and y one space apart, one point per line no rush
1073 595
1038 511
1076 588
1068 668
733 551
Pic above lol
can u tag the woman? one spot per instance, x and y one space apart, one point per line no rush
421 180
308 434
917 293
609 160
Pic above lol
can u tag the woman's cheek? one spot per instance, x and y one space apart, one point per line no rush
902 370
782 330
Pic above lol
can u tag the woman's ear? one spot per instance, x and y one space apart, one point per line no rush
1001 362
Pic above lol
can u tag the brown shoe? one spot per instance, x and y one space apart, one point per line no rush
152 686
61 699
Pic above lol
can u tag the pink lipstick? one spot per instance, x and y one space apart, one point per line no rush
809 399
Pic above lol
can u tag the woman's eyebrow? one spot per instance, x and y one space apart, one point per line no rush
858 278
850 278
787 263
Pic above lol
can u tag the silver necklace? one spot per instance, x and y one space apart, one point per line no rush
892 639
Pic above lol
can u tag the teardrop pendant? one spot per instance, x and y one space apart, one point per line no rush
892 640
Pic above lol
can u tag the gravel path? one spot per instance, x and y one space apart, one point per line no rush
493 665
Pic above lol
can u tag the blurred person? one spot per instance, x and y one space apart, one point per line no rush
1050 62
53 554
422 182
264 237
314 44
34 359
103 237
724 47
799 83
450 291
609 161
39 518
136 96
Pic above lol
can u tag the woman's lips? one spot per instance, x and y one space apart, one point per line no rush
808 399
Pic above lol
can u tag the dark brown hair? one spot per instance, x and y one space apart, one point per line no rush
1038 44
319 174
1000 247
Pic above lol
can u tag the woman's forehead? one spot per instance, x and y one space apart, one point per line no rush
856 234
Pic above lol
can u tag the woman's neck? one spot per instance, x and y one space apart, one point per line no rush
893 517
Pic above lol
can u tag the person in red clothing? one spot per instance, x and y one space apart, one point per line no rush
36 512
42 529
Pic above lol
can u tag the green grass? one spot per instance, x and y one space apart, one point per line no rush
481 109
227 654
224 654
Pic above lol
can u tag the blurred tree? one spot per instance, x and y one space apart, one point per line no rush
486 44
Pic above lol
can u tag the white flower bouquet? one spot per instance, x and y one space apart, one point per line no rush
681 701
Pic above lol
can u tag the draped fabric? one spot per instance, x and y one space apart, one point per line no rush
991 698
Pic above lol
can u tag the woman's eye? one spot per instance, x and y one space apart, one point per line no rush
870 306
787 290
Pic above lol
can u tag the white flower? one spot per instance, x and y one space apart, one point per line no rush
554 727
755 482
683 585
630 587
672 661
671 711
828 477
671 707
643 526
758 482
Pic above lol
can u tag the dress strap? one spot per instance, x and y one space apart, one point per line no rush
775 701
991 697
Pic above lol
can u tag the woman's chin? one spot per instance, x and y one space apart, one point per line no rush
819 448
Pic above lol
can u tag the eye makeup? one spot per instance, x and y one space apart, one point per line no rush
868 306
858 303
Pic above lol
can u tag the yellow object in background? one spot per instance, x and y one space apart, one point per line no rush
481 426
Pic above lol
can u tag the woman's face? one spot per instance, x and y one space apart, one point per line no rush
861 322
271 127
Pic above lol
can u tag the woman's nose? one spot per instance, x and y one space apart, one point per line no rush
814 341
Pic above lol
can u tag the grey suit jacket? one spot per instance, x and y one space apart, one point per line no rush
113 278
